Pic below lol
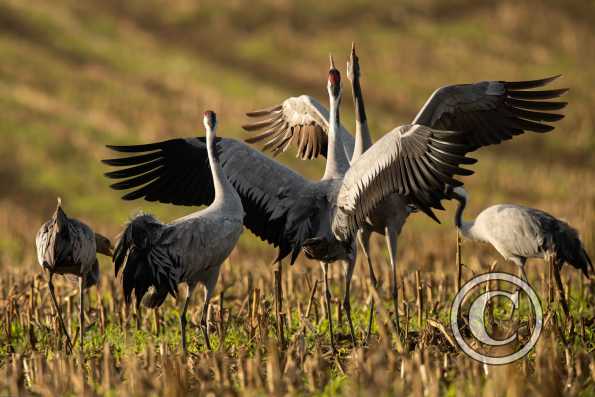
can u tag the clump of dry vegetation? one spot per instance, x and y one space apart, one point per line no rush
75 76
250 355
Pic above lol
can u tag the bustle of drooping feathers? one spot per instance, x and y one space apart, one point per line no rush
145 263
568 246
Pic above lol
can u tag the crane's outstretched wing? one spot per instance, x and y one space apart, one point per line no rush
413 161
177 171
300 121
492 111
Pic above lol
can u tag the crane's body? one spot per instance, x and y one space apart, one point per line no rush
519 233
188 250
68 246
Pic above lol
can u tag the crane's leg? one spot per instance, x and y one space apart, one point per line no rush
363 236
520 262
348 267
82 313
278 272
561 293
327 297
391 242
183 321
62 325
204 319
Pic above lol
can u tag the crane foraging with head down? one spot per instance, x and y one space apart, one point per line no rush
519 233
189 250
489 112
68 246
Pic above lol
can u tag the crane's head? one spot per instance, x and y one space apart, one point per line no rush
59 215
353 65
210 120
103 245
334 81
457 192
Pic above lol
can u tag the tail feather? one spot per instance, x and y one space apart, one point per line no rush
154 299
586 261
144 262
92 277
570 249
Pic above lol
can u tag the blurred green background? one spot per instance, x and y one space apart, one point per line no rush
76 75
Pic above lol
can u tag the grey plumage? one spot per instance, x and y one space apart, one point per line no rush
519 233
189 250
67 246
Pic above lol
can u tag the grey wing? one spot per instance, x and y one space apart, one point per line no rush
299 121
42 241
492 111
512 229
413 161
177 171
194 240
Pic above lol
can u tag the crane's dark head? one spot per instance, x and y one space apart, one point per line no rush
210 120
334 80
353 65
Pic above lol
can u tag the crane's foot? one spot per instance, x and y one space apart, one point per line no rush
205 331
347 307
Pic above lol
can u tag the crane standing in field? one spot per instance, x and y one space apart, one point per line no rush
519 233
489 112
68 246
189 250
322 217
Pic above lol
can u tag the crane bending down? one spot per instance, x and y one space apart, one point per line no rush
519 233
489 112
68 246
322 217
189 250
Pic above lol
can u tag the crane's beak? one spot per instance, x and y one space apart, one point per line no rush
332 62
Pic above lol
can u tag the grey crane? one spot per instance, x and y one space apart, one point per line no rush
320 217
493 111
68 246
189 250
519 233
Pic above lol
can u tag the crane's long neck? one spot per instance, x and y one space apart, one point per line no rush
363 140
337 163
219 181
464 227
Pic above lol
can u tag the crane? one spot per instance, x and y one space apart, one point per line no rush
489 111
519 233
319 217
68 246
189 250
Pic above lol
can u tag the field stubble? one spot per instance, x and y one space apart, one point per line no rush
120 359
